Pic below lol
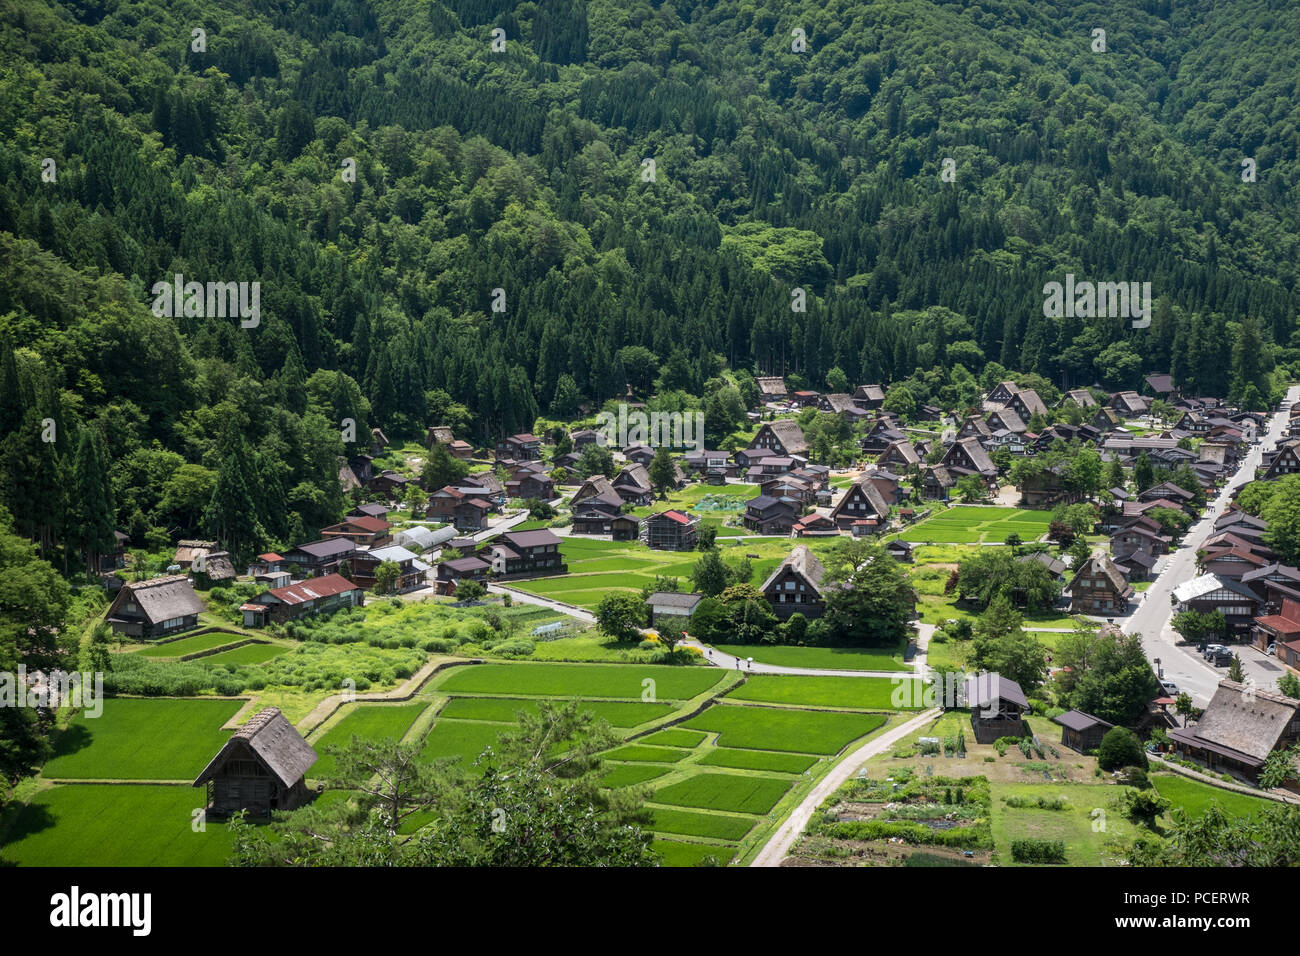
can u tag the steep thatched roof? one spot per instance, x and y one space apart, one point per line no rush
1241 722
274 741
160 599
805 563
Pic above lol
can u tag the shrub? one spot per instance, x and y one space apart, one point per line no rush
1038 851
515 647
1121 748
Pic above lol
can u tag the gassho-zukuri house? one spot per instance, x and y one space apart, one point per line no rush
262 768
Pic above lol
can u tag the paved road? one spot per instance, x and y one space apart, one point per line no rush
1183 665
783 839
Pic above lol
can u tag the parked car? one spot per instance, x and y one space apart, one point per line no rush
1169 687
1271 650
1222 659
1211 650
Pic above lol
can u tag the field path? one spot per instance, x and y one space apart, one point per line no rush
783 839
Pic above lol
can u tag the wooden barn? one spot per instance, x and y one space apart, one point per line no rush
260 769
1081 732
155 608
997 707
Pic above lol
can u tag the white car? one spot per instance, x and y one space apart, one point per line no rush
1170 688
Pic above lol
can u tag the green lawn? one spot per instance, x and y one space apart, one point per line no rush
187 645
863 693
718 826
125 825
757 760
503 710
367 721
143 739
777 728
1195 797
824 658
729 792
582 680
963 524
1093 829
677 853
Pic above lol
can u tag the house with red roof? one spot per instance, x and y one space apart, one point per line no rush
315 596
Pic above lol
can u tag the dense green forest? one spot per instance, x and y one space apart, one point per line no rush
381 170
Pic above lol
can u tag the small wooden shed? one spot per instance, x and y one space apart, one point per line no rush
260 769
1081 732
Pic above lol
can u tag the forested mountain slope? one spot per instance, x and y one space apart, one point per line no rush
524 171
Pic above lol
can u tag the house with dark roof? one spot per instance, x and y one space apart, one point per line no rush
633 485
1211 592
214 569
880 436
901 455
1003 393
322 595
967 456
869 397
795 585
768 514
449 574
411 570
783 437
521 447
1098 587
1241 726
156 608
1081 732
937 483
525 553
316 558
1162 383
260 769
997 707
860 501
1026 403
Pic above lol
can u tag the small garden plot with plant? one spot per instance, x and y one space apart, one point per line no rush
728 792
581 680
1086 822
883 821
123 825
784 729
368 721
858 693
135 739
825 658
